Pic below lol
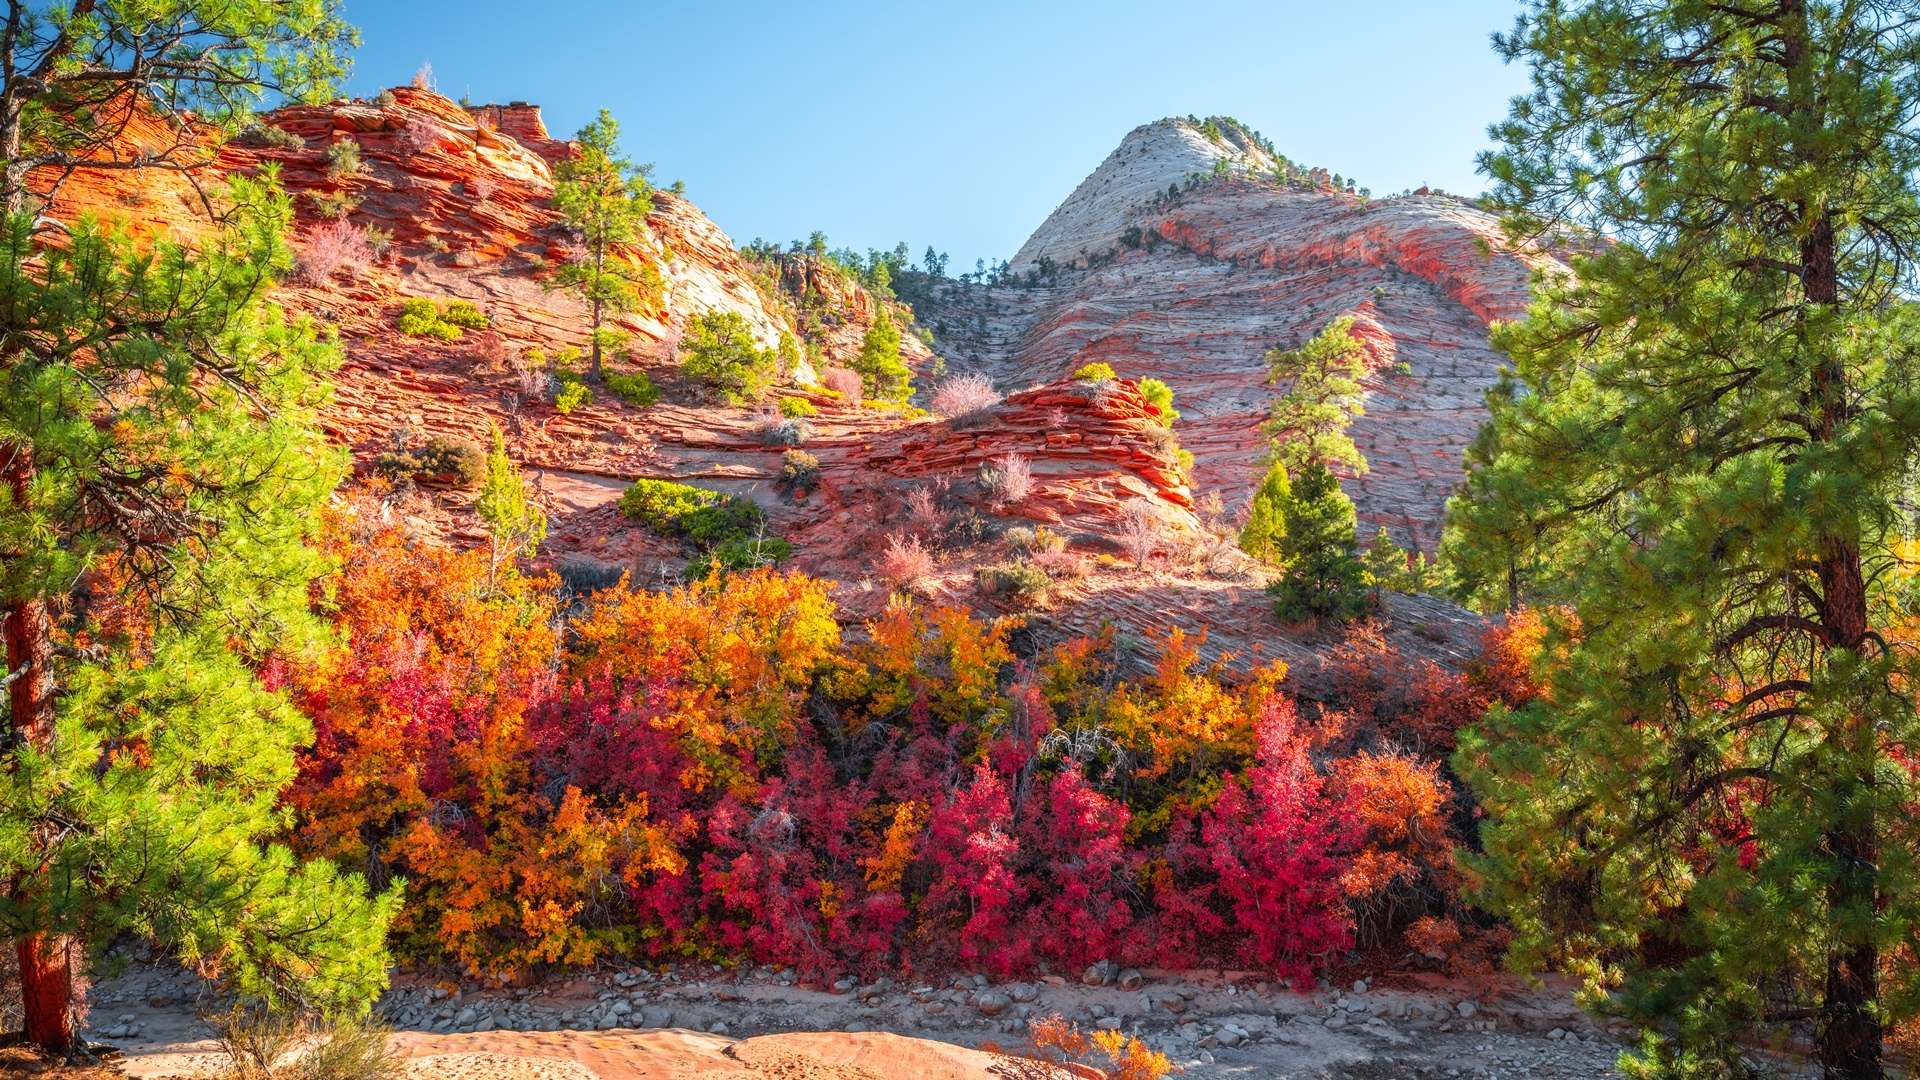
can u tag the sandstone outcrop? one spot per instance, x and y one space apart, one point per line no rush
1195 289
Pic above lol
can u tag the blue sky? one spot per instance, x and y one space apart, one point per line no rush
959 125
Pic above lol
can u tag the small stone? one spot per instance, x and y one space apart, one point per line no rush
1129 979
991 1002
655 1016
465 1016
1557 1034
1467 1008
857 1026
1359 986
1109 1023
1205 1058
719 1028
843 986
1230 1037
1024 992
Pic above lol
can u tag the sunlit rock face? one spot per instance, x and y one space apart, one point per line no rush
1194 289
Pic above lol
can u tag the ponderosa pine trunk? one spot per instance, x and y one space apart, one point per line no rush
46 986
1848 1026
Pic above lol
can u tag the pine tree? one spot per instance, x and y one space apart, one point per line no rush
887 377
515 526
160 474
73 69
1266 523
1323 578
1700 480
606 199
1309 423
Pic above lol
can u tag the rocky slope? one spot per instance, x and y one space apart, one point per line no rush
1194 290
1247 251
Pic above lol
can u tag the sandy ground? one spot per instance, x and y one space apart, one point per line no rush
700 1022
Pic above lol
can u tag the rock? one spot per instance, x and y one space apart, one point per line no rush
1205 1058
1099 974
991 1002
1129 979
843 986
655 1016
1557 1034
1354 1005
465 1016
1174 1003
719 1027
1024 992
1467 1009
1360 986
1108 1023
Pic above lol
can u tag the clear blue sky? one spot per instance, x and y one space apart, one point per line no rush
960 125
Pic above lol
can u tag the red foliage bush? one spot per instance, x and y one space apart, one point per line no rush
331 247
711 773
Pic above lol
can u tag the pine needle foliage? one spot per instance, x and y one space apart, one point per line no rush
160 473
1698 473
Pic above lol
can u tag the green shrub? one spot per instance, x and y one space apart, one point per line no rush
572 394
794 407
1160 396
635 389
343 159
707 518
739 556
464 313
1019 581
458 460
718 352
420 316
799 471
1096 372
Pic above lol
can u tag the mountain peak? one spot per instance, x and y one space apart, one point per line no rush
1152 158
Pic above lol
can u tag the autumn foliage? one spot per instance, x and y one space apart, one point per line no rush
716 772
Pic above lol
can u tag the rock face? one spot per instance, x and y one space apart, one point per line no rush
1194 290
1152 158
1190 286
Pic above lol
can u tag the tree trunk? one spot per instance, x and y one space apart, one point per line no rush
46 989
46 986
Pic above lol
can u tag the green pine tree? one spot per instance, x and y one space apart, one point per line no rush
160 475
1266 523
515 526
606 199
1323 579
1309 422
1701 481
718 351
72 66
886 376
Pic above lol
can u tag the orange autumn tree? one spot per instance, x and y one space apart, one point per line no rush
422 764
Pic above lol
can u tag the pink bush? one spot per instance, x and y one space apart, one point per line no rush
1007 480
925 515
332 247
904 563
419 134
844 382
965 399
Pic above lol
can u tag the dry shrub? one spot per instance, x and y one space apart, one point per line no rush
925 514
1139 531
490 352
966 400
1006 481
1056 419
1061 563
423 78
332 247
777 430
904 563
843 382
